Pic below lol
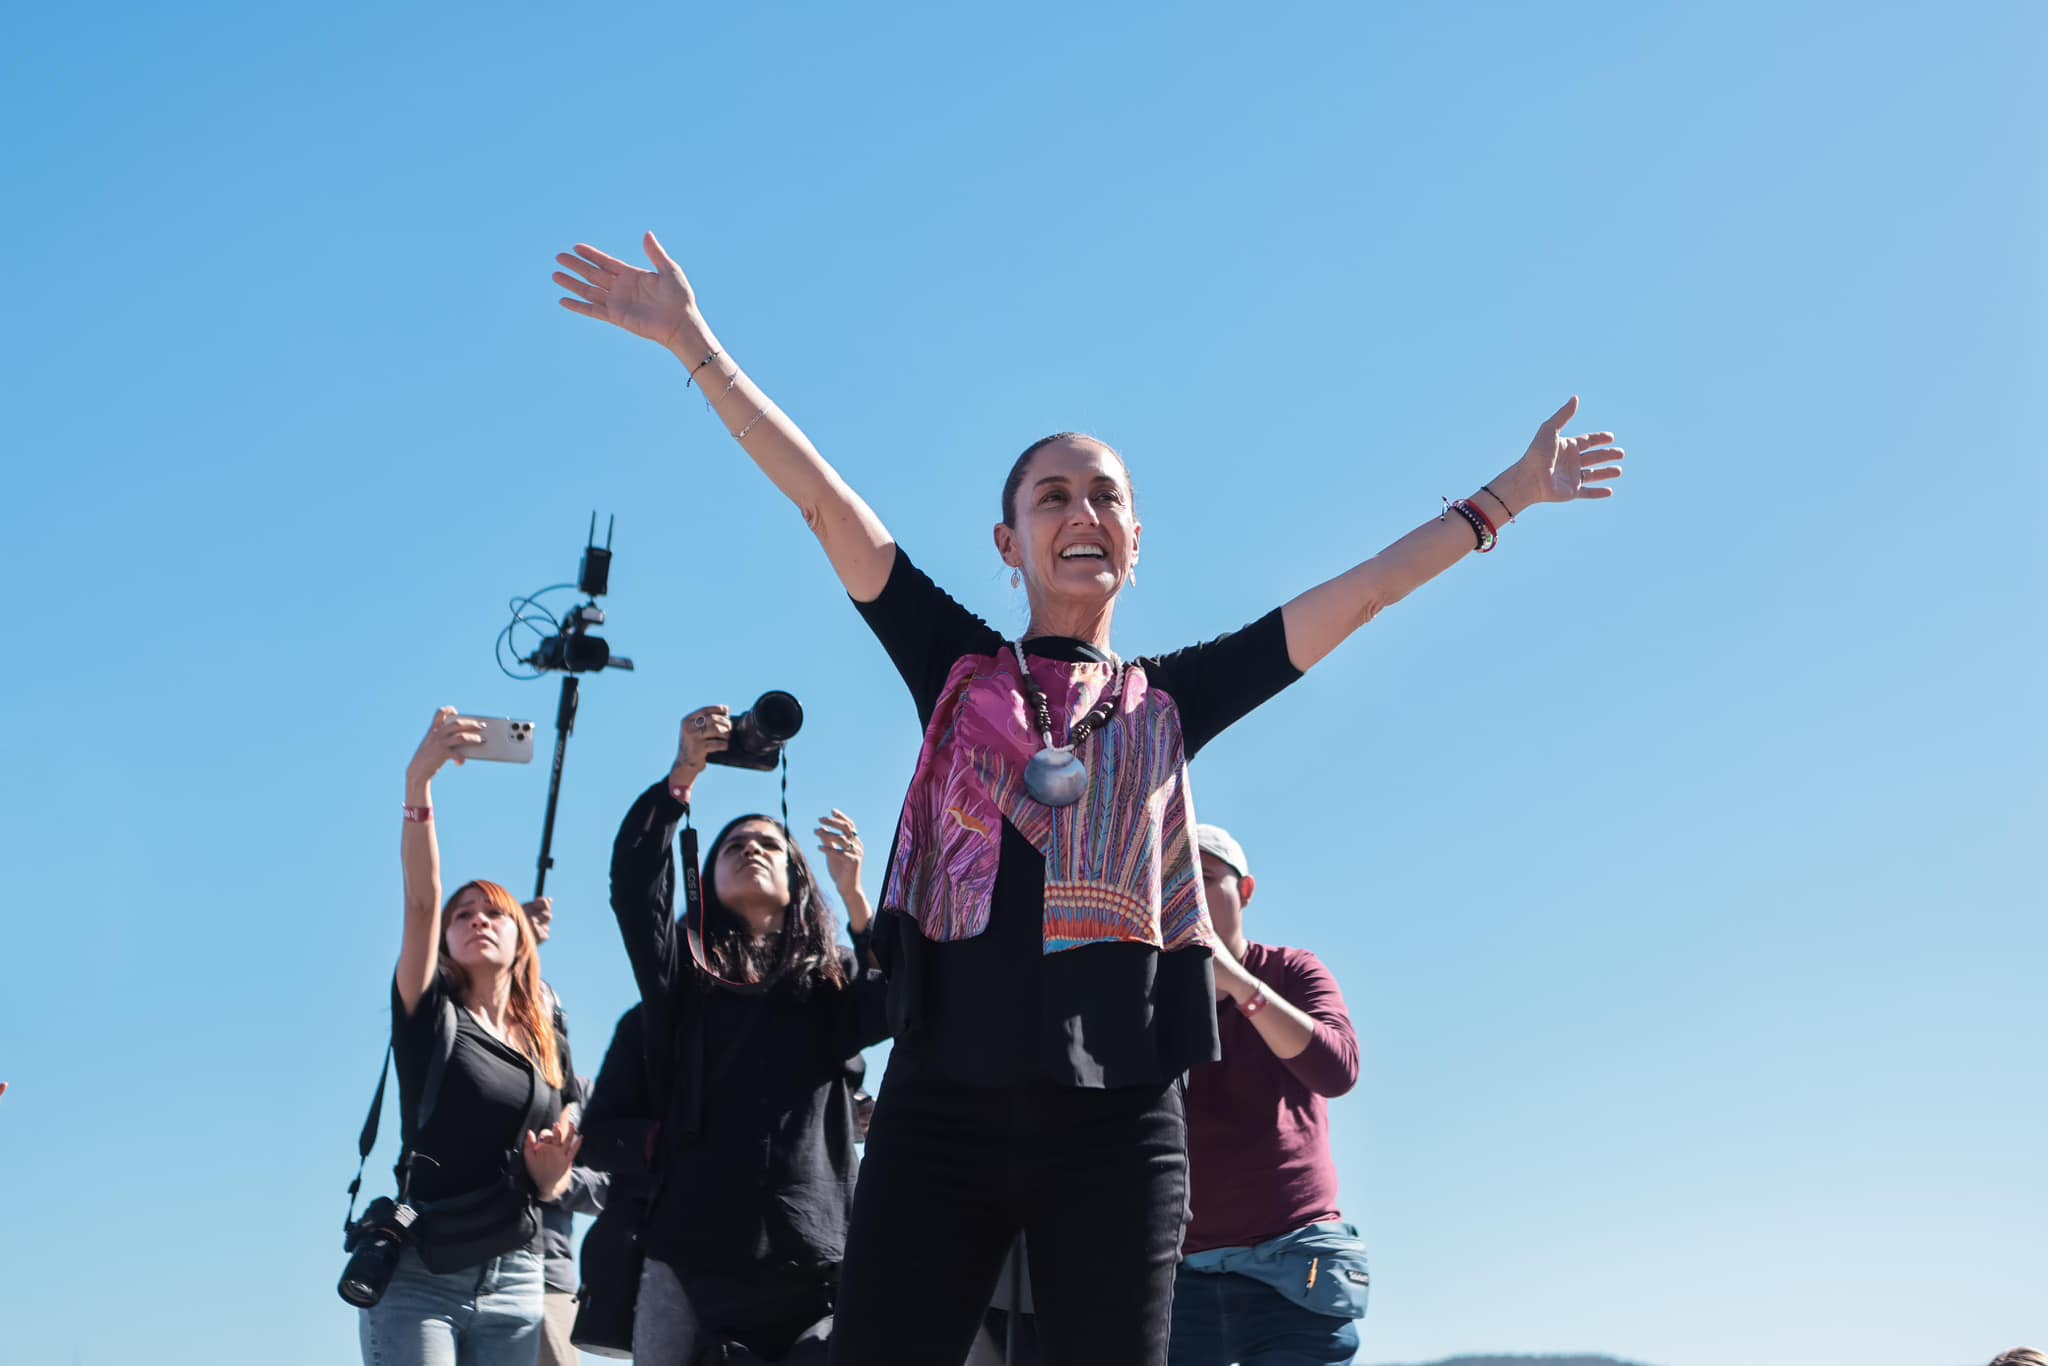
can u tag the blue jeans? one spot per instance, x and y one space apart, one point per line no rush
1220 1318
484 1315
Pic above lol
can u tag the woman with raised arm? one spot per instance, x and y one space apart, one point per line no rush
470 1020
1050 961
748 1030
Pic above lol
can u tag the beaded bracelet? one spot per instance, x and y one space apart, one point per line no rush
692 379
1480 513
1482 533
418 815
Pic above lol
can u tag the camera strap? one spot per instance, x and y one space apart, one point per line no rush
437 1067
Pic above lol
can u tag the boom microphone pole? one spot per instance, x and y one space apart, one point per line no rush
569 651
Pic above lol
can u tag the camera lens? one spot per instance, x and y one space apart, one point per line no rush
778 715
369 1270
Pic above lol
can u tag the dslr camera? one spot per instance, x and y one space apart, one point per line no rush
759 732
373 1244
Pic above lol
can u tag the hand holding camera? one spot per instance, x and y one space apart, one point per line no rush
753 739
706 731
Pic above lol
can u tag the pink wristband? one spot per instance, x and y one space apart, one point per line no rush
418 815
1256 1004
680 793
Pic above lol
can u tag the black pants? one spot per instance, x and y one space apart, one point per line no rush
1097 1180
682 1316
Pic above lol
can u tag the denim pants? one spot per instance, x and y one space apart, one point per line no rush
484 1315
1220 1318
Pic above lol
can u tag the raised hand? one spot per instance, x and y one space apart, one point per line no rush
449 737
656 304
540 913
706 731
840 843
550 1154
1561 468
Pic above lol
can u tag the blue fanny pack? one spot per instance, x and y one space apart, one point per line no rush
1320 1268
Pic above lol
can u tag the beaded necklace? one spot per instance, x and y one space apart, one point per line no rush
1056 775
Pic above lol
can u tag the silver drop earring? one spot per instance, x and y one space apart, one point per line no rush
1016 578
1131 579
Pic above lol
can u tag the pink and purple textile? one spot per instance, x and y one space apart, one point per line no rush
1119 863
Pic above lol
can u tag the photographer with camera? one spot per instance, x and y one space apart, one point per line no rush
750 1012
452 1271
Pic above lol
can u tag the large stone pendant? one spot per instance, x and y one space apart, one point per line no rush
1054 776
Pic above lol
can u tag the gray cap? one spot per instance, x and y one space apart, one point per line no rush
1216 842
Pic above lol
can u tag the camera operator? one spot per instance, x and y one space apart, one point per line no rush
469 1012
754 1164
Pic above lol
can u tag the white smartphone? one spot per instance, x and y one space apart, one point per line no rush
506 741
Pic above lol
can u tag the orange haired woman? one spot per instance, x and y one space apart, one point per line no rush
480 1078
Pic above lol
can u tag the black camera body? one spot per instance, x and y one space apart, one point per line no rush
373 1244
758 733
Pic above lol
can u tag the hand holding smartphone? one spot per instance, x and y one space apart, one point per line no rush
506 741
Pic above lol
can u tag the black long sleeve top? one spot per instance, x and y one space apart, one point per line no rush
755 1160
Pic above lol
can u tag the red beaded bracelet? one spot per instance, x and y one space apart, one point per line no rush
1257 1003
418 815
1480 513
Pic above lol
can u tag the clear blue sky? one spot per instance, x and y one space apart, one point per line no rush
1678 860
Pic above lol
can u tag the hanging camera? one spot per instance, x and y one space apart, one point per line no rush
758 733
373 1244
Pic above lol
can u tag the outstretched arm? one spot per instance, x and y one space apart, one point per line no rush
449 737
661 306
1555 469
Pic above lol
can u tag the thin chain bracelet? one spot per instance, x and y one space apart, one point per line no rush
732 382
1487 489
741 434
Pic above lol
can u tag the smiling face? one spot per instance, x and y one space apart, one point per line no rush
1073 529
479 933
750 870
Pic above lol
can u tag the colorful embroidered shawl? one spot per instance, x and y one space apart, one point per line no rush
1119 863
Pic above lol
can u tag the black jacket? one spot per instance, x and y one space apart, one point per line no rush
755 1158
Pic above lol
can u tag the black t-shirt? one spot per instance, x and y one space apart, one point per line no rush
1113 1014
490 1095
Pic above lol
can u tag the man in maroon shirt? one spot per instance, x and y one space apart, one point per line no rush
1271 1275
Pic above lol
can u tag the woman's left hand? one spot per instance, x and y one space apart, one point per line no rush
549 1156
1558 468
840 843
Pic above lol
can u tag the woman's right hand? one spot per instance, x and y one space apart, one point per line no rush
706 731
550 1154
451 736
656 304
